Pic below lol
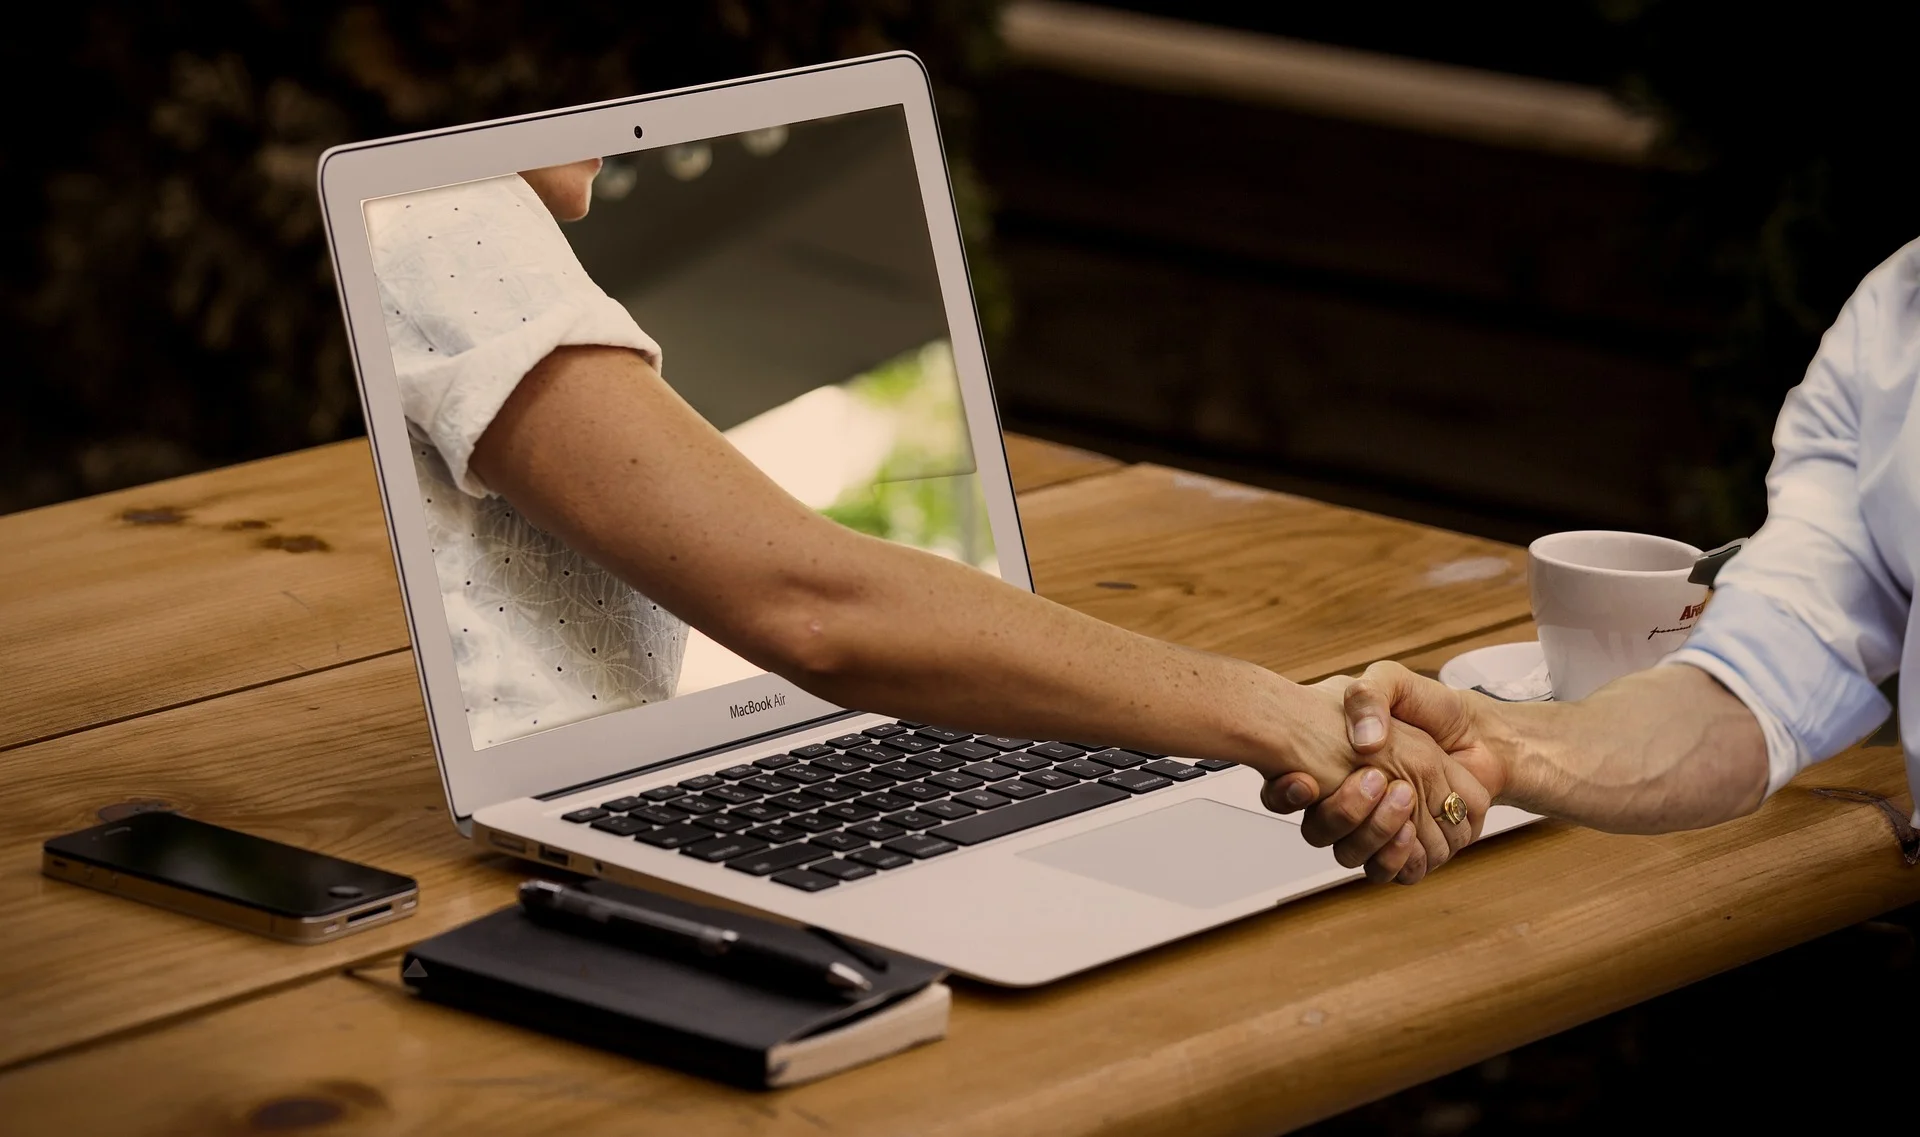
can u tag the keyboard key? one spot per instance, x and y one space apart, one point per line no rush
722 848
982 799
919 846
847 811
695 805
730 795
1000 743
659 814
1178 771
920 791
760 811
805 775
887 803
1136 781
873 752
1056 750
664 793
735 773
1118 759
621 804
722 822
946 810
913 819
884 730
836 764
779 761
771 861
701 782
937 760
1215 764
841 870
867 780
911 725
833 791
989 771
814 750
953 780
1088 746
880 858
1027 814
939 734
622 826
1050 779
1017 788
900 771
674 836
1147 754
813 823
971 751
798 802
582 816
840 842
875 831
1081 768
1024 761
804 880
776 834
768 784
911 743
847 741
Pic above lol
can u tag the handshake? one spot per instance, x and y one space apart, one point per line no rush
1419 773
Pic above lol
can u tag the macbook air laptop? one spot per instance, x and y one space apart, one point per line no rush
791 242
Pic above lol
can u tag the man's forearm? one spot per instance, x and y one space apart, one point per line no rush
1663 749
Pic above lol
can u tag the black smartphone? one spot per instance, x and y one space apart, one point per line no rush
230 877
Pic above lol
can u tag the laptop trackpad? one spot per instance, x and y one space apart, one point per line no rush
1200 853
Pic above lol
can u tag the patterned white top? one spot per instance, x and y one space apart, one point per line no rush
478 285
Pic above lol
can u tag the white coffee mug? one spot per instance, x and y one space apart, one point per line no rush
1608 604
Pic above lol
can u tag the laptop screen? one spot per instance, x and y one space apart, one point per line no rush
784 281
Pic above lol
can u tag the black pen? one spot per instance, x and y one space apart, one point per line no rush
561 906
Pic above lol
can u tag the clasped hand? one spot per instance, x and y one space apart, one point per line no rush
1413 742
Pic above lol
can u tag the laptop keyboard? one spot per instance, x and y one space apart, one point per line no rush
878 801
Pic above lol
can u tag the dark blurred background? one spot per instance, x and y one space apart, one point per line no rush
1502 265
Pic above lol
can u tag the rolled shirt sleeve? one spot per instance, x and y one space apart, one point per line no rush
478 285
1809 619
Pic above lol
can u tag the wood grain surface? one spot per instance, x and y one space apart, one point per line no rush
340 760
1258 1027
120 604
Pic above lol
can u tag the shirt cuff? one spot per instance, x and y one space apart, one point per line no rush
473 385
1809 703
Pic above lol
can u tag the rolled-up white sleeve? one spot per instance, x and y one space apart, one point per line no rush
1807 620
478 285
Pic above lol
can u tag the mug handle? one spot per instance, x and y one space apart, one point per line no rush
1713 560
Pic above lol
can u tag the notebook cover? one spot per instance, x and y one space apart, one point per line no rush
675 1013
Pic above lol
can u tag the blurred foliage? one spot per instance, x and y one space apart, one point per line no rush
1790 127
166 287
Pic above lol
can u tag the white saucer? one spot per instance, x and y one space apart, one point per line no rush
1515 673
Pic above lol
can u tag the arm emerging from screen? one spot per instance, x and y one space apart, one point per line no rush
594 447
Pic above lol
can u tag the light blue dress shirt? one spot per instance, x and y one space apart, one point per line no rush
1817 611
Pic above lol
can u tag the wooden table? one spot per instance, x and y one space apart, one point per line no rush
231 643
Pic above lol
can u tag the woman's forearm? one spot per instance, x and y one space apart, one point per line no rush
1660 750
596 449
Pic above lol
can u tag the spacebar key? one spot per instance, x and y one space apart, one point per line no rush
1029 813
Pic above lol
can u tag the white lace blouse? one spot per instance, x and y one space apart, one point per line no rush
479 285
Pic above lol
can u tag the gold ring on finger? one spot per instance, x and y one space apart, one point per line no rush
1454 809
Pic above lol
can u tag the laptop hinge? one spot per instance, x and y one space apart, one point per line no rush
691 755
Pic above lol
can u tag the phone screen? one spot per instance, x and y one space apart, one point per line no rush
234 866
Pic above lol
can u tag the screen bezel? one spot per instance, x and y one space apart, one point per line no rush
639 737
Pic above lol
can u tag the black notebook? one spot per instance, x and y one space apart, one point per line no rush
677 1013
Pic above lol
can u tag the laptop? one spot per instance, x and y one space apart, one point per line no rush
792 243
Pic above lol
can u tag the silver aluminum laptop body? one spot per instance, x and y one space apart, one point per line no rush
792 242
